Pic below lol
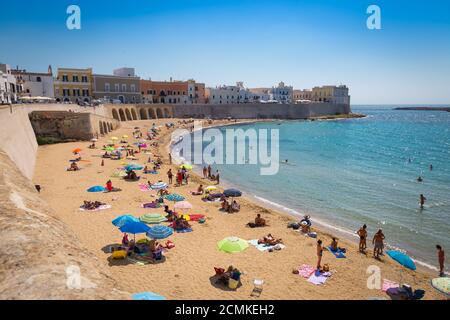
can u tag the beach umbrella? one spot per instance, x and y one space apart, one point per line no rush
147 296
133 167
94 140
160 232
114 138
232 245
118 174
159 185
152 218
442 284
96 189
125 136
402 258
186 166
123 220
108 149
232 193
134 227
174 197
184 205
210 188
76 150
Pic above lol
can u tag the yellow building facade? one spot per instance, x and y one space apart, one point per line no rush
74 85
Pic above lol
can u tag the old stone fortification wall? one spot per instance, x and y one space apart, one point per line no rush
17 138
40 257
70 125
264 111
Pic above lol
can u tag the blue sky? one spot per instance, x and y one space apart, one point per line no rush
303 43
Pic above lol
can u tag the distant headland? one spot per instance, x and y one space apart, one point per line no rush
424 108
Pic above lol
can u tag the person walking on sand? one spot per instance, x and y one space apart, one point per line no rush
441 259
209 171
362 233
422 201
319 254
205 172
378 243
170 158
170 175
217 177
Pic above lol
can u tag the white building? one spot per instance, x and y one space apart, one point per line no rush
35 84
230 94
124 72
282 93
8 85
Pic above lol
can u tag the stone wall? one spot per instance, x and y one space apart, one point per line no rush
261 111
70 125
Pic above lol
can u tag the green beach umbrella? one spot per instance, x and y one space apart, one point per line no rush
152 218
109 149
232 245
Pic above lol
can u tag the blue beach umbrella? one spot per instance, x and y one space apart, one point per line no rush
147 296
96 189
158 186
159 232
134 228
232 193
402 258
123 220
174 197
133 167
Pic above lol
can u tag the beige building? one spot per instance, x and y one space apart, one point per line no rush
302 95
333 94
74 85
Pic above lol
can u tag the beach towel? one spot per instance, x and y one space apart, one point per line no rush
184 230
102 207
388 284
319 277
306 271
196 217
151 172
262 247
151 205
144 187
338 253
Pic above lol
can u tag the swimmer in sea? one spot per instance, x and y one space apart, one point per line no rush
422 201
431 167
419 179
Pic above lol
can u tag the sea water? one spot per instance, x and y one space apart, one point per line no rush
347 173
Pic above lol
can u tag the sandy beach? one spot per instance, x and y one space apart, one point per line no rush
186 271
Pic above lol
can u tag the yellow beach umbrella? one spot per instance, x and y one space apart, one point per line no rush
114 138
125 136
210 188
186 166
185 217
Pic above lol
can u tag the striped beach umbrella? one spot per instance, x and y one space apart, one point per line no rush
184 205
159 185
123 220
174 197
152 218
159 232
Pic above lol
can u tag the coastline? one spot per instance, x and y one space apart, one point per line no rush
319 226
187 269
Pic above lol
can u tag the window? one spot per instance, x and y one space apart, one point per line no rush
65 78
84 79
76 92
66 92
38 79
116 87
85 92
124 87
132 88
75 78
107 87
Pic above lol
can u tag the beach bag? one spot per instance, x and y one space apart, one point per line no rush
233 284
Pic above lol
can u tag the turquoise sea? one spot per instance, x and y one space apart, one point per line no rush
346 173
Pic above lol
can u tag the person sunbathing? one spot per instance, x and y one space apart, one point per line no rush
131 175
235 207
225 206
163 192
334 245
199 191
269 240
259 222
106 155
73 167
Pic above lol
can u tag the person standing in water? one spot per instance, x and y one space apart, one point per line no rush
422 201
441 259
362 233
378 242
431 167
